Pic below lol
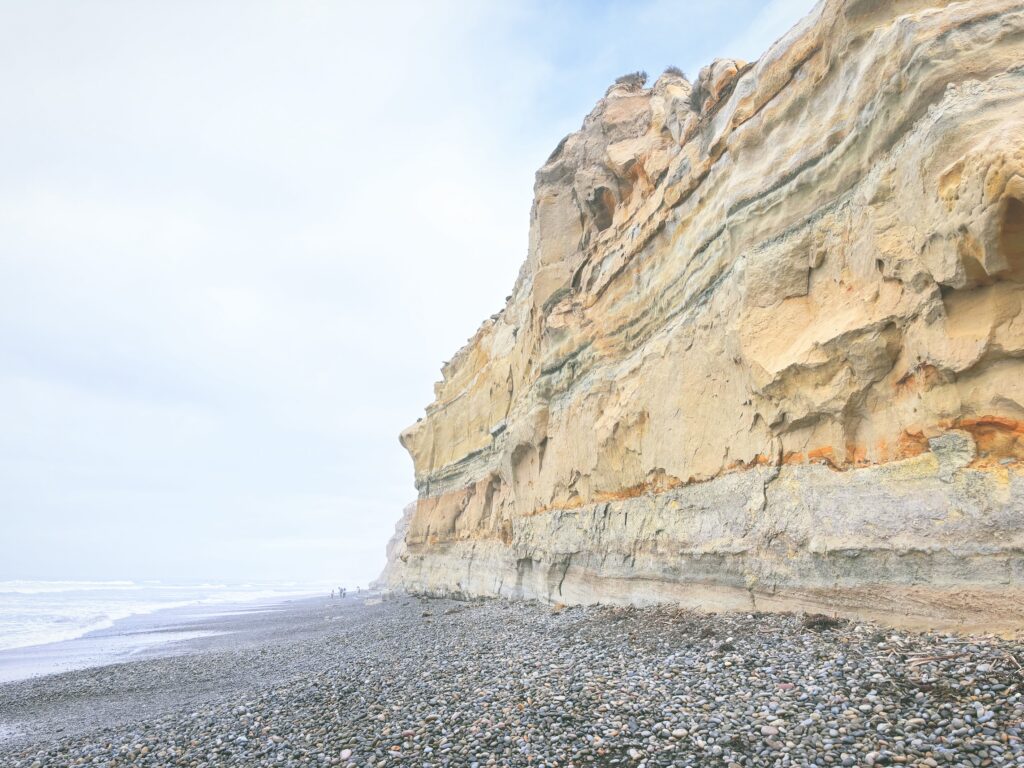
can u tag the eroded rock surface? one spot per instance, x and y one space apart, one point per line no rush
766 348
396 550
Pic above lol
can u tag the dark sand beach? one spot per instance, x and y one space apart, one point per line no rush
429 682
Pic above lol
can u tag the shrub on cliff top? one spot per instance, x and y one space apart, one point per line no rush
633 80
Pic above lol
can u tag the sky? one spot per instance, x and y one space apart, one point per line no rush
238 239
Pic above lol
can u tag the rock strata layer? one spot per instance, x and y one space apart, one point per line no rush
767 348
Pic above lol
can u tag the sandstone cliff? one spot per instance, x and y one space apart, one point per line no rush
767 348
396 551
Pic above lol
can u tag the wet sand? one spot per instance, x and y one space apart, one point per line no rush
136 637
145 665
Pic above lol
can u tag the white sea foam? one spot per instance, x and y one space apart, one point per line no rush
37 612
25 587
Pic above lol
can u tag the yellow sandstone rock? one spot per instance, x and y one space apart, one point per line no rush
767 349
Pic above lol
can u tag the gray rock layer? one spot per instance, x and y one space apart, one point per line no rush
911 543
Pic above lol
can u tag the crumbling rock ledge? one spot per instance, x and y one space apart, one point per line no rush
767 349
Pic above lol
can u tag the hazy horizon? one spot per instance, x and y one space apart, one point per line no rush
240 239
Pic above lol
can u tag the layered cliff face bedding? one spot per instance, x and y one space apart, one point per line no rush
767 349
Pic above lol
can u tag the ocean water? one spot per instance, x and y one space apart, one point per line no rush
37 612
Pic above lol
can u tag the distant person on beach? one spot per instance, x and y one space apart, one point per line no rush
332 594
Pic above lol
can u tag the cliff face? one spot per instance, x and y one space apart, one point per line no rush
396 551
766 349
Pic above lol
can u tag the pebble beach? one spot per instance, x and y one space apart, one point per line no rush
413 681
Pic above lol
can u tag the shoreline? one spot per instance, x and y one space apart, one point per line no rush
149 634
149 663
415 680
